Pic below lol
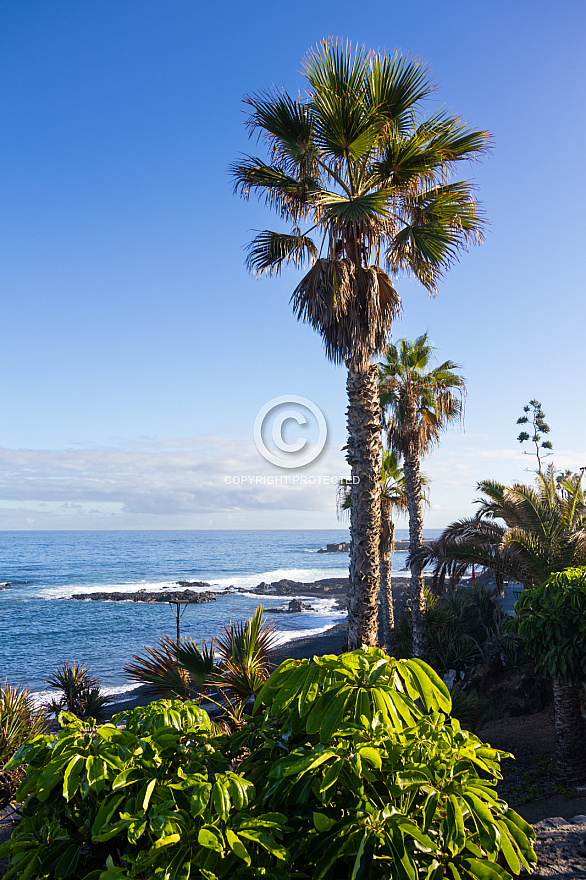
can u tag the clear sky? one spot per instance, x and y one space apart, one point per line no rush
136 351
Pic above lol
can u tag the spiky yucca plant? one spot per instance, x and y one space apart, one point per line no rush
80 692
230 671
20 720
362 176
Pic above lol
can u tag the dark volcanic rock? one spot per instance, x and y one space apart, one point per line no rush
189 596
192 584
285 587
294 607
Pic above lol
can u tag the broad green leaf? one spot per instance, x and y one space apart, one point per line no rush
167 841
455 831
147 795
237 846
266 841
68 862
96 772
211 838
128 777
508 850
371 756
72 776
484 870
322 823
106 812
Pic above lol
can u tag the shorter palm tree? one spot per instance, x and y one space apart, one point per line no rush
230 671
418 403
523 533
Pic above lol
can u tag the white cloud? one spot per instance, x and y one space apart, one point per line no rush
208 474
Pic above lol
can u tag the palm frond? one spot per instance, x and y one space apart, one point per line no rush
291 196
270 250
159 671
418 402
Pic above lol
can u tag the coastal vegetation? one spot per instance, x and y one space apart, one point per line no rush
533 414
521 532
551 621
20 720
230 672
364 179
80 692
418 402
350 767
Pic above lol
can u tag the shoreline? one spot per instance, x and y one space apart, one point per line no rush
331 641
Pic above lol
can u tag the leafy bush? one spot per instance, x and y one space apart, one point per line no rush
351 771
80 692
20 720
551 621
462 625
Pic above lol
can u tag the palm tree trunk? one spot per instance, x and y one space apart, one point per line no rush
569 731
386 593
413 491
363 456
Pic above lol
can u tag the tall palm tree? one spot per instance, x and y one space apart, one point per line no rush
355 162
418 401
524 533
393 499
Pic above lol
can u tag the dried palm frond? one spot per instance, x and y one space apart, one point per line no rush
351 307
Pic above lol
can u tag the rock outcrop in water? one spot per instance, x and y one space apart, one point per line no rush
188 596
285 587
192 584
294 607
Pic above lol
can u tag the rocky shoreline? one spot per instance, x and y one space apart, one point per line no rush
322 588
335 588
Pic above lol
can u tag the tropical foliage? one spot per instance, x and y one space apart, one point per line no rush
230 671
351 770
363 179
462 625
80 692
418 402
551 621
542 530
20 720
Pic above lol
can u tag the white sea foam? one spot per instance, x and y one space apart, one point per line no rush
293 635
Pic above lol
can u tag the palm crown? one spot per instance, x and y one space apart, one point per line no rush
418 401
521 532
357 164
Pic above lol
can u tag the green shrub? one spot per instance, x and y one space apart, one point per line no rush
551 621
351 771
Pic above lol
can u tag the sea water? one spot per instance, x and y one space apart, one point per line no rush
41 626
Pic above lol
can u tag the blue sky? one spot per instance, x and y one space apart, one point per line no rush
136 351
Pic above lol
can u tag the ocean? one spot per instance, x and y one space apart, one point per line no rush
41 627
